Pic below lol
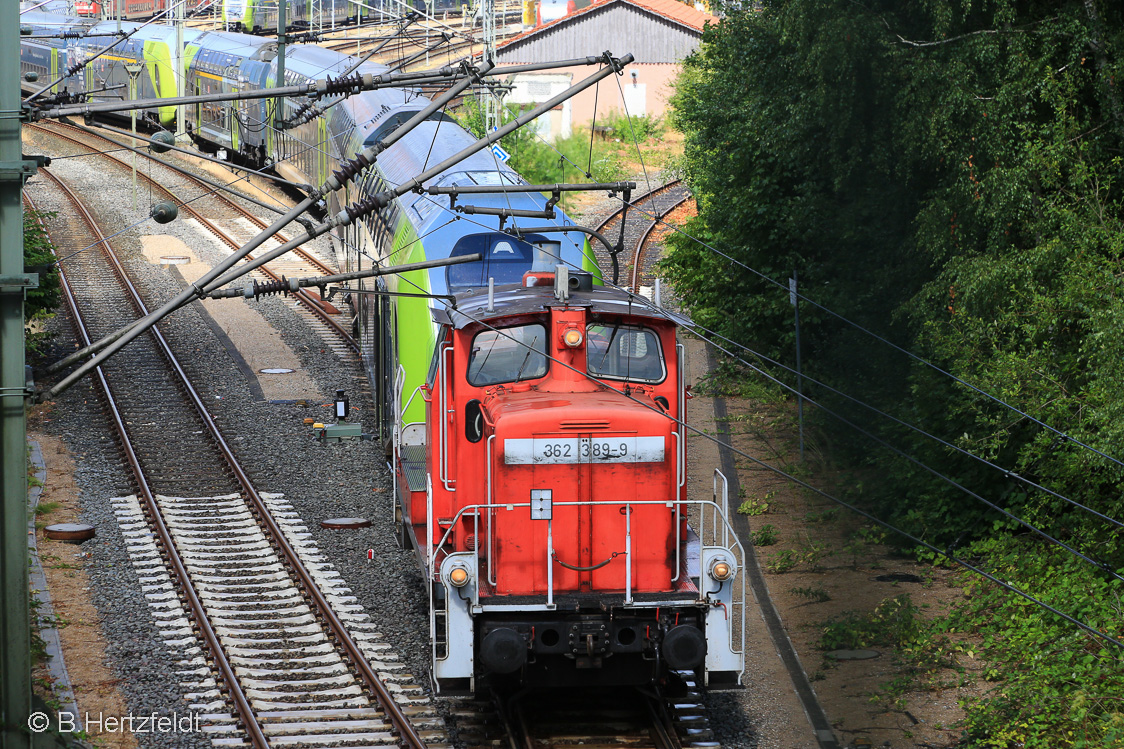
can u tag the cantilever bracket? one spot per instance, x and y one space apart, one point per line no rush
23 170
19 282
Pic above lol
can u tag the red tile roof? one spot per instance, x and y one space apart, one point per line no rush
673 10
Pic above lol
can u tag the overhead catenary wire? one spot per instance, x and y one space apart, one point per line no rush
945 553
219 275
921 360
943 477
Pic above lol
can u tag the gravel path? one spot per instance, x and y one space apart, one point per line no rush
320 480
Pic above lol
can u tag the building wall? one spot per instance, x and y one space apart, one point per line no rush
618 28
646 96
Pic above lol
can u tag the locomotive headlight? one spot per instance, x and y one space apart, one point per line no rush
458 577
572 338
721 570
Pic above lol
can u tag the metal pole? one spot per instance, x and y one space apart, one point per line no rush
15 638
134 70
795 301
278 115
181 83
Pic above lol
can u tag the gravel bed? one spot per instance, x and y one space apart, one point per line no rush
320 480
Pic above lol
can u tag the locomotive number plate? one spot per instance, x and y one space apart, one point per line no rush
552 450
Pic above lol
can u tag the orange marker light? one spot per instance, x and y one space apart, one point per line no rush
721 571
458 576
572 338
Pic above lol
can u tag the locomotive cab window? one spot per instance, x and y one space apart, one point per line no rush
624 352
507 355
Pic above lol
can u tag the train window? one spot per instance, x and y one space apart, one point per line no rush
624 352
431 377
507 355
493 178
506 259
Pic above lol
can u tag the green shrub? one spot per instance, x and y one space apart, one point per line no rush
766 535
893 622
635 129
782 561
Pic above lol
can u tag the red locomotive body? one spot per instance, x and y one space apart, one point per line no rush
545 495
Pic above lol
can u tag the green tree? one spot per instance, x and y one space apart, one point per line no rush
38 253
948 174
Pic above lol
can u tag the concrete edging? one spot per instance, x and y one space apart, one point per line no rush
56 667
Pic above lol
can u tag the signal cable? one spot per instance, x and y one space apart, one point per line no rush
1062 435
1104 567
857 326
946 553
1007 472
874 409
632 130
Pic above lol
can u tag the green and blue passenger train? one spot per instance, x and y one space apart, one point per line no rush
397 333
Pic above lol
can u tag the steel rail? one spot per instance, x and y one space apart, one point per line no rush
643 243
634 204
72 132
637 200
222 664
313 304
662 731
408 735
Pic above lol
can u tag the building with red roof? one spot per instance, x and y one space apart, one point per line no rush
658 33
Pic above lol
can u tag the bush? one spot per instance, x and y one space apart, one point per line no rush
635 129
39 303
565 160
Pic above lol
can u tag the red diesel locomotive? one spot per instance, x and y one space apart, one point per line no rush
545 495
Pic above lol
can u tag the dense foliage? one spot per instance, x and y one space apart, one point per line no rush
946 173
38 256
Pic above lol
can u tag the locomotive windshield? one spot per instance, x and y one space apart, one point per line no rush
624 352
507 355
506 259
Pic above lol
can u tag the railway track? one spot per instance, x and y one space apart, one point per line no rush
288 657
321 316
601 719
644 216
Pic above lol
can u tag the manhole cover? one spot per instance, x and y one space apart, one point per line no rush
853 655
174 259
344 524
69 531
899 577
275 370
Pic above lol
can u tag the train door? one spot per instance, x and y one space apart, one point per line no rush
232 85
322 165
198 108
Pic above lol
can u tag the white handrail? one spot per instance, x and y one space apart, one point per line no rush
488 497
442 422
727 528
628 553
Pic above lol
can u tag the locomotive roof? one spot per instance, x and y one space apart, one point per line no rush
515 299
